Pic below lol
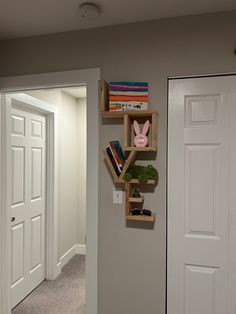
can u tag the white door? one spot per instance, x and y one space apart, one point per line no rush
27 201
201 196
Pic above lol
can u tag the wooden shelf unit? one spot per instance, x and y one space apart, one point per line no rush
136 199
141 218
135 181
139 149
129 202
128 163
131 113
128 117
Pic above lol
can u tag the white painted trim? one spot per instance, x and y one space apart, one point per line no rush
177 77
81 249
170 157
37 104
90 78
67 256
5 111
76 249
49 80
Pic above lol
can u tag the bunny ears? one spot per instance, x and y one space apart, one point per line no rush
145 127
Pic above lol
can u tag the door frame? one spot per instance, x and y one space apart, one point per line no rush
90 78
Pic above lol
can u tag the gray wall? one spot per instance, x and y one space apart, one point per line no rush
72 167
69 203
82 162
132 260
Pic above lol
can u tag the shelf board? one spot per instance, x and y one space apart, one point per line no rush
141 218
132 113
136 199
135 181
139 149
120 178
128 163
110 166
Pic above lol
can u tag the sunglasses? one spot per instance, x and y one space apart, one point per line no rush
144 212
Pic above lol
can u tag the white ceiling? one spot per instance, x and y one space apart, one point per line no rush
34 17
77 92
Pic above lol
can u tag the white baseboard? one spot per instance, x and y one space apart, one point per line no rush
81 249
76 249
58 270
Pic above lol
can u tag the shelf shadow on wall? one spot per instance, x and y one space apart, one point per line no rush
141 225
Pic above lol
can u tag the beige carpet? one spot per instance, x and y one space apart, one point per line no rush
65 295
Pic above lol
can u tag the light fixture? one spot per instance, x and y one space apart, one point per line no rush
89 10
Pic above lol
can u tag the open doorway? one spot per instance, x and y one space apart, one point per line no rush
59 239
56 296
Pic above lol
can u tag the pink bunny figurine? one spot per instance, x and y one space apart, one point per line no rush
140 139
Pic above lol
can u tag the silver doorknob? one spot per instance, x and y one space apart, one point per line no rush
13 219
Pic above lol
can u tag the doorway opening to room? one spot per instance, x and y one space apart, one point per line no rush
29 188
44 179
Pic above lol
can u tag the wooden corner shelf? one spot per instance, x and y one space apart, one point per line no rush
139 149
141 218
110 166
135 181
128 117
131 113
120 179
136 199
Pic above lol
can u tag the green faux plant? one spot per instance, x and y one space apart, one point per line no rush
142 173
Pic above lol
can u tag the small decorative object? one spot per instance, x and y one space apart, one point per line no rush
126 96
146 212
136 212
136 193
143 212
141 173
141 139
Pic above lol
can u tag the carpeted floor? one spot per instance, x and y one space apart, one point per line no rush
65 295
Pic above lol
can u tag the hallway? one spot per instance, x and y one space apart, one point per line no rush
65 295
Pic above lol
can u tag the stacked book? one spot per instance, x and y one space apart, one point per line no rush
124 96
116 156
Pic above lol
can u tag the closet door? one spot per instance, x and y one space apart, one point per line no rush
201 201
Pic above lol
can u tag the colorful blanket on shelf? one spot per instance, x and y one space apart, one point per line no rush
125 96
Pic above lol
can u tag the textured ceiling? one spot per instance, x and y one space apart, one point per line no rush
36 17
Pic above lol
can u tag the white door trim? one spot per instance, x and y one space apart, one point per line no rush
90 78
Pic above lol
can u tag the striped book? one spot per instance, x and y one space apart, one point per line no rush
124 96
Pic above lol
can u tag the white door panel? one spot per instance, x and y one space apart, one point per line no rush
201 115
18 175
28 144
36 236
17 235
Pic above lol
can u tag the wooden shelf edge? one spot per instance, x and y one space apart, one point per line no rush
139 149
132 113
141 218
128 163
135 181
110 166
104 96
136 199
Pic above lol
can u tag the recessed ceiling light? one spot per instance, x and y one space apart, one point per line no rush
89 10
